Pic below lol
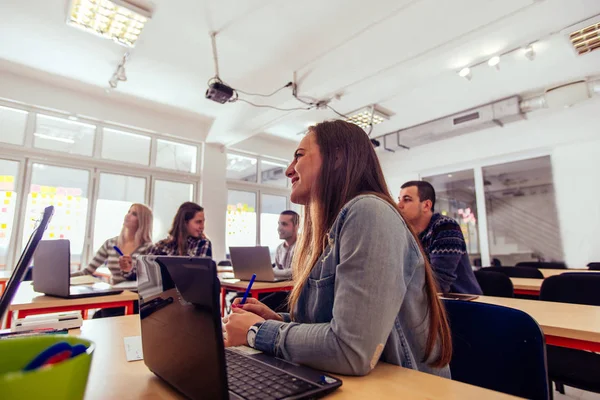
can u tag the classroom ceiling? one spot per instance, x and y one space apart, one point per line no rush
401 54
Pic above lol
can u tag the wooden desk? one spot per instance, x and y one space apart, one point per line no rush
567 325
552 272
527 286
4 277
112 377
28 302
257 287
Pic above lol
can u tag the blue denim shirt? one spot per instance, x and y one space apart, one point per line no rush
365 299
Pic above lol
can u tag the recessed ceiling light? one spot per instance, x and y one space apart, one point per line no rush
449 175
587 39
529 52
494 61
112 19
364 116
465 73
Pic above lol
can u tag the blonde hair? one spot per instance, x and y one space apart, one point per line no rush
143 234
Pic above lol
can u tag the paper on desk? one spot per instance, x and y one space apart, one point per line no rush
84 280
133 348
245 350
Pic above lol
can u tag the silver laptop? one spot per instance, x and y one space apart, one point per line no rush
253 260
51 273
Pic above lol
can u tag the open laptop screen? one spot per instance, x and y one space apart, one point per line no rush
24 260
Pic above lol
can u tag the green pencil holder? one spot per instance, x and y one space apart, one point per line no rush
64 380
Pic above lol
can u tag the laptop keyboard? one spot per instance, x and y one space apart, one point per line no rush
252 380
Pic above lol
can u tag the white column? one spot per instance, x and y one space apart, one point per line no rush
484 246
214 196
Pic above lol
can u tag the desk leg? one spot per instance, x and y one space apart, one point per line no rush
129 308
223 302
9 316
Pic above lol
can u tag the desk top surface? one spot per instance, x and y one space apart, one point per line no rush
236 284
552 272
112 377
28 299
573 321
527 283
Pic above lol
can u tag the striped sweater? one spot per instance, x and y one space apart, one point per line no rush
108 254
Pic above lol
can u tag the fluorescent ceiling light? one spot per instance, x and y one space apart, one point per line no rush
587 39
55 138
362 117
112 19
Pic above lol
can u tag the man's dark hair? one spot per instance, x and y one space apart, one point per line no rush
426 191
294 215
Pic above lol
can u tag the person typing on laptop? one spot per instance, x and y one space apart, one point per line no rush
364 290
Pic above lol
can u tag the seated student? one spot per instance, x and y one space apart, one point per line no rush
441 238
364 291
288 231
134 239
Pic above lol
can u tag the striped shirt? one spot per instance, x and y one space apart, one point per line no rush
107 254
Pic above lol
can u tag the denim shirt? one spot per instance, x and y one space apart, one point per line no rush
365 299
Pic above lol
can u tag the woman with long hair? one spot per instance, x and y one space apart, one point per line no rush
134 239
363 288
186 237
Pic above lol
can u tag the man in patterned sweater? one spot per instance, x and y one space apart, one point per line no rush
441 237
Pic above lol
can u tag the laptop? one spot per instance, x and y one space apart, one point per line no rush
253 260
21 269
182 343
51 273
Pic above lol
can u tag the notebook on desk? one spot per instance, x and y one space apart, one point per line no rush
183 342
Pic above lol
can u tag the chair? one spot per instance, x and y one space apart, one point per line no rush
545 265
224 263
594 266
576 368
517 272
495 262
498 348
494 283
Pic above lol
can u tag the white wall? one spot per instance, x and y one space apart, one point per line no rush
214 197
268 146
570 136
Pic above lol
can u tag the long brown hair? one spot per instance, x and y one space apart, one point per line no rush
179 231
143 234
350 168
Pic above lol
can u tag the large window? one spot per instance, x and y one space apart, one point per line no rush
8 205
455 197
273 173
241 168
168 196
176 156
521 212
270 208
117 145
66 189
60 134
241 219
12 125
116 193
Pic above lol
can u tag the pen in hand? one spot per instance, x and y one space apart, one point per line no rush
248 289
118 250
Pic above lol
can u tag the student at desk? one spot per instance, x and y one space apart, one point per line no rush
364 290
134 239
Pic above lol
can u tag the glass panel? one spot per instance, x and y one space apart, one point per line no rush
66 189
177 156
168 196
241 219
521 212
59 134
117 145
272 173
8 206
270 208
241 168
455 198
12 125
115 196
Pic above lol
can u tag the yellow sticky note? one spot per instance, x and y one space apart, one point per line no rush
3 226
6 201
8 194
34 195
68 212
69 197
52 235
10 178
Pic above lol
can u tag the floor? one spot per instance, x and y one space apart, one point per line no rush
576 394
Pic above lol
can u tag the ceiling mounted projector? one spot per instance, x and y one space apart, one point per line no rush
219 92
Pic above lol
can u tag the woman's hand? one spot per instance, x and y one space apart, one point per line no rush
256 307
236 326
125 263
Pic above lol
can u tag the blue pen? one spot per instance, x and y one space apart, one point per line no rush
118 250
248 289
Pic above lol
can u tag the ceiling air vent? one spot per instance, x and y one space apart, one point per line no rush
587 39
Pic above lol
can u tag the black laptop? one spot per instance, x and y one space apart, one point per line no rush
52 271
21 269
183 343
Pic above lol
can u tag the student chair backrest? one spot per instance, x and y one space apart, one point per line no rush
494 283
545 265
517 272
498 348
224 263
572 287
594 266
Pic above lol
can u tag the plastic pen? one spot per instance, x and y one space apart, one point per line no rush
248 289
118 250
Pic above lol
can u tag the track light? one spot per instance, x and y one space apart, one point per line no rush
119 74
494 62
530 52
465 73
113 81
